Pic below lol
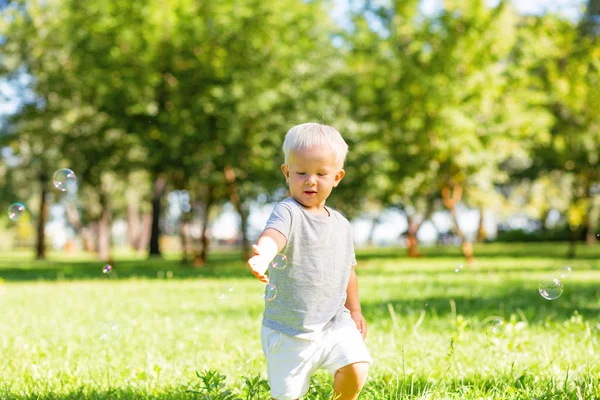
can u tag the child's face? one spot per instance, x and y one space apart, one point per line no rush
311 175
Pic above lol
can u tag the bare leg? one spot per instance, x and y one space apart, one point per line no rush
349 380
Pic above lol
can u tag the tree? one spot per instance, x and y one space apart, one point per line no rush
65 128
441 95
264 87
590 22
568 71
176 88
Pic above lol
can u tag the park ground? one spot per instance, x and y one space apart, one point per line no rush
156 329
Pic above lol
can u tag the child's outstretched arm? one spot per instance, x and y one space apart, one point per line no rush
270 242
353 304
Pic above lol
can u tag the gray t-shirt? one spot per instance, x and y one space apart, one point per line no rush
311 289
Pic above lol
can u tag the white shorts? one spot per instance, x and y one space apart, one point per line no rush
292 361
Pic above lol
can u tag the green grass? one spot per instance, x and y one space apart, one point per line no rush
431 330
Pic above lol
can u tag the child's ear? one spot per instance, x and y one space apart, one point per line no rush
285 171
338 177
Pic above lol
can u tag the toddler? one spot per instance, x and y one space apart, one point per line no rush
315 321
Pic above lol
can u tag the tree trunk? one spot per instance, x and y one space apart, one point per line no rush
481 233
573 242
43 215
184 237
234 197
144 235
246 245
104 230
75 221
88 245
371 234
201 256
197 217
90 237
581 190
133 225
73 217
451 201
414 227
411 235
591 237
544 219
160 183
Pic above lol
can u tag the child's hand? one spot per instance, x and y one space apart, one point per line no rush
361 322
258 264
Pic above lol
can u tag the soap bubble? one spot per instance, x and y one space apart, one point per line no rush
270 292
107 269
64 179
108 331
497 326
566 272
16 211
225 292
279 262
459 269
551 288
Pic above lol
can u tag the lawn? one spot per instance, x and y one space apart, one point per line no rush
154 329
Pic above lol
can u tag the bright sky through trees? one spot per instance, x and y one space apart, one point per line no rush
570 8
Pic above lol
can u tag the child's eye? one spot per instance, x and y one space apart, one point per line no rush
301 173
321 174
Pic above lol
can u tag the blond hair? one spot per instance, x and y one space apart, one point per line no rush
311 134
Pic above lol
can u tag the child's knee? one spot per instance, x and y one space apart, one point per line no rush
356 372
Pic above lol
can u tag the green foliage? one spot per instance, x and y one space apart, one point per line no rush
183 89
255 387
212 387
567 72
472 95
553 235
448 101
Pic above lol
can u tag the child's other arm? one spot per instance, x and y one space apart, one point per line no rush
353 304
270 242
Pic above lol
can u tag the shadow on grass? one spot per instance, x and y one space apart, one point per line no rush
504 301
231 265
488 250
221 265
475 273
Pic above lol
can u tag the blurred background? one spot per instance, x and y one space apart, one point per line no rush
467 120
